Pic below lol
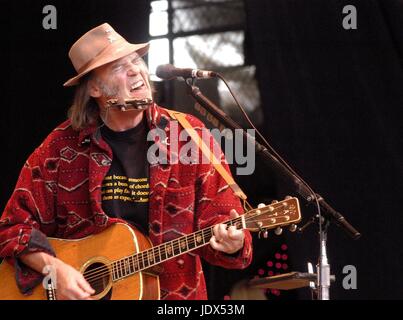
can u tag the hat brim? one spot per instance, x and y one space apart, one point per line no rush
111 54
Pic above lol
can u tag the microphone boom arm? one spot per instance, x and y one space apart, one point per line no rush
326 210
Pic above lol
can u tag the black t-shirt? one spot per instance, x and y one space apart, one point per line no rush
125 189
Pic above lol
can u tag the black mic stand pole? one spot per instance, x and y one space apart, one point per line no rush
326 214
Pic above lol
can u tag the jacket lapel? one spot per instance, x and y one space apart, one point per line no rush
99 164
159 176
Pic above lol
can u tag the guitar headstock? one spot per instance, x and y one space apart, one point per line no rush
274 215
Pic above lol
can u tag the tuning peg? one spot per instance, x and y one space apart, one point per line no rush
274 201
288 197
263 232
278 231
293 227
261 205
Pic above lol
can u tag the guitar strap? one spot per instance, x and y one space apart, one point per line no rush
181 117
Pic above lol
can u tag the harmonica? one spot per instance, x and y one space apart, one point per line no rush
129 103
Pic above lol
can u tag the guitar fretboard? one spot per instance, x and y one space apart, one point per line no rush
143 260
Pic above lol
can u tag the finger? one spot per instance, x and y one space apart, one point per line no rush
234 234
216 232
222 232
85 286
69 295
215 245
84 296
81 295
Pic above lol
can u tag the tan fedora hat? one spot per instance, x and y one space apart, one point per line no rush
98 47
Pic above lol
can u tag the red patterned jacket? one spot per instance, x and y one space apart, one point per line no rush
58 194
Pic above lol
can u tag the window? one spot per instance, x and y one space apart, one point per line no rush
205 34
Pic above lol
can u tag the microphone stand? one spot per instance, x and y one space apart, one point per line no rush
326 213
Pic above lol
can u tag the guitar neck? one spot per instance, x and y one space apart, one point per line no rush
127 266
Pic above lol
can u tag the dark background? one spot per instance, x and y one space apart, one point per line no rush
332 100
332 104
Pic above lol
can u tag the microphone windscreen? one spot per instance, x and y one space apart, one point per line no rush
166 71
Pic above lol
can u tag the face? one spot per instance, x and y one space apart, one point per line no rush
125 78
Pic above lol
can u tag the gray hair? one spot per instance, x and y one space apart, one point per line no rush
84 111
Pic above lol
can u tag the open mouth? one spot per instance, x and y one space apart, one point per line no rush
137 86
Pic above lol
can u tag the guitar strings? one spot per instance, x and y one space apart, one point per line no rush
166 247
172 245
100 272
105 270
135 259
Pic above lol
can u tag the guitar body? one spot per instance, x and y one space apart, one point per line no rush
95 251
115 262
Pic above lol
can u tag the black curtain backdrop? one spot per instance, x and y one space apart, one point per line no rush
332 101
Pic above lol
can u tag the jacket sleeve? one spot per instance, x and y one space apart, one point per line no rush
29 216
214 201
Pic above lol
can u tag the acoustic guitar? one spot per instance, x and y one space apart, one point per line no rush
116 261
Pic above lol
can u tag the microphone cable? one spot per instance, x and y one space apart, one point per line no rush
271 149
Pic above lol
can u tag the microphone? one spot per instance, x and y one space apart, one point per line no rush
168 72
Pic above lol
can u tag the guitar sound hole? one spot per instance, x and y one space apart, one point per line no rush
98 276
